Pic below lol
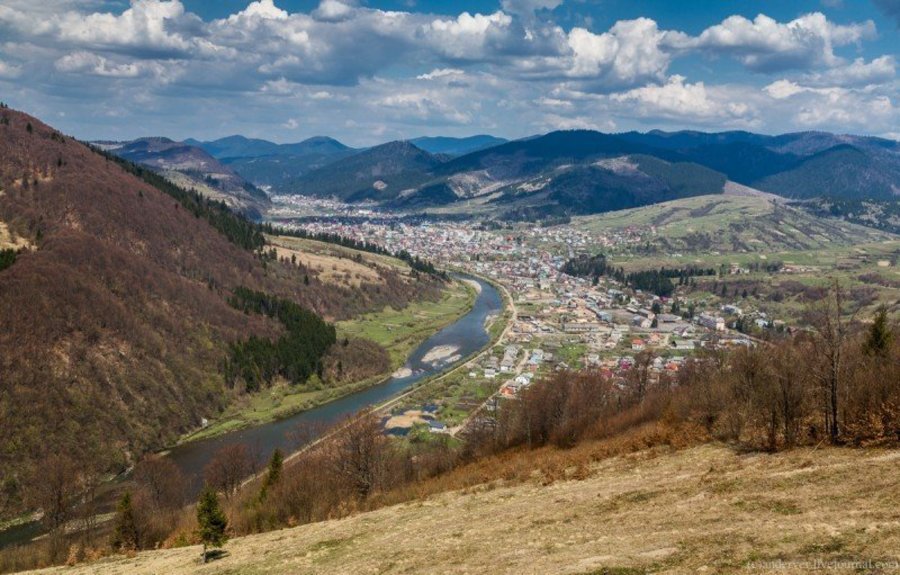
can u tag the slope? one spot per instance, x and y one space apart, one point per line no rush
728 223
191 167
381 172
115 322
456 146
704 509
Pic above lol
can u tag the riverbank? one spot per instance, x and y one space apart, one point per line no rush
398 331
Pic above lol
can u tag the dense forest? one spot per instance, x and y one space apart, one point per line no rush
296 355
7 258
658 282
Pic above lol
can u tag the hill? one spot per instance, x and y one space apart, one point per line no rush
456 146
731 224
118 312
382 172
191 167
704 509
272 166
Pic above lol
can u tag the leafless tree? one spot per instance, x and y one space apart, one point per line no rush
228 468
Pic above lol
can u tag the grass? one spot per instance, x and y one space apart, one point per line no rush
647 511
729 224
401 331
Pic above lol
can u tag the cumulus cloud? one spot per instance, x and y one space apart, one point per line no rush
677 98
513 65
765 44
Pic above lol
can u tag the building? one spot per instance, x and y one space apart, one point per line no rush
711 322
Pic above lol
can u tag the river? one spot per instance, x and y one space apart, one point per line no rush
468 335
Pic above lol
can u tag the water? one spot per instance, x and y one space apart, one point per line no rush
468 334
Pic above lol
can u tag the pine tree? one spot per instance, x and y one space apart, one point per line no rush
273 474
125 534
212 521
880 337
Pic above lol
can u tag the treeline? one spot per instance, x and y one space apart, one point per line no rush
416 263
658 282
7 258
238 229
296 355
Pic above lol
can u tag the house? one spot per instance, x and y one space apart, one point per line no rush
711 322
638 344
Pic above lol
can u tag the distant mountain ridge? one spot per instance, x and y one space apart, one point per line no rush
583 171
189 166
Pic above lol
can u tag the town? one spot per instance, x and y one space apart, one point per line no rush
557 321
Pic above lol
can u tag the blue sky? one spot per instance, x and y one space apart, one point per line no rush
371 71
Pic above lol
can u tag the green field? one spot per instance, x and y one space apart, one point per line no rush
400 331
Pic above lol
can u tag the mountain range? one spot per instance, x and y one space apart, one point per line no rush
556 174
582 172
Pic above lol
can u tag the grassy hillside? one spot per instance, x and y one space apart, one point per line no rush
730 224
705 509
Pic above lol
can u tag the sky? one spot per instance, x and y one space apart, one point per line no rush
371 71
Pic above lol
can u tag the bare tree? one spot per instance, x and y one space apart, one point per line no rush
358 453
831 332
162 481
228 469
53 488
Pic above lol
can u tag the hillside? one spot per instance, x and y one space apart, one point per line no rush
704 509
456 146
382 172
191 167
116 315
731 223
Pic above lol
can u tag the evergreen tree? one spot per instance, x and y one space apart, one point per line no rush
125 534
212 521
273 474
880 337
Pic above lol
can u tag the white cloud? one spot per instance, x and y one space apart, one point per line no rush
440 73
8 70
676 98
767 45
511 68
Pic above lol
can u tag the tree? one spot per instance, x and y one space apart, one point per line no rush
228 469
358 454
273 473
879 339
830 329
656 308
163 482
212 521
125 533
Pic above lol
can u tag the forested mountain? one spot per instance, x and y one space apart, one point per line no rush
191 167
379 173
116 313
456 146
582 171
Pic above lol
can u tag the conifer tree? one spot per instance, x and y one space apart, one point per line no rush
880 337
212 521
125 534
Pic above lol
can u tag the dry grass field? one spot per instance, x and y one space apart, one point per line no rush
706 509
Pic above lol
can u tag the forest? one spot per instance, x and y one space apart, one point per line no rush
295 355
